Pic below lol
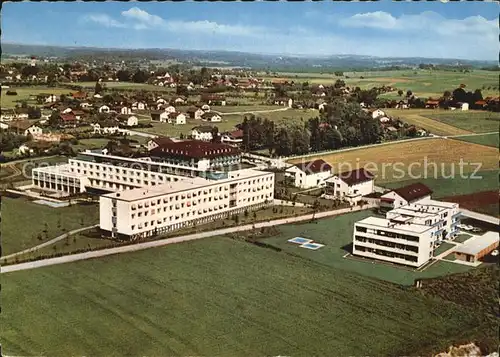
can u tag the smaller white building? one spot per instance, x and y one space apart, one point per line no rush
103 109
128 120
350 185
377 113
405 195
211 117
125 111
176 118
309 174
203 133
170 109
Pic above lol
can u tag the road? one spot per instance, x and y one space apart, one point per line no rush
253 111
50 242
167 241
463 135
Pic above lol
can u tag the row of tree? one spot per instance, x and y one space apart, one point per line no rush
340 125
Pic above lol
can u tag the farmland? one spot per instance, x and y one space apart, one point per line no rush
483 202
416 159
23 221
445 187
25 93
181 300
423 83
126 85
491 139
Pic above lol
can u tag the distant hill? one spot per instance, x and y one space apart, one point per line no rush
232 59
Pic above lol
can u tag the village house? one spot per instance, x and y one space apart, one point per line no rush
203 133
169 109
52 98
107 127
287 102
180 100
212 99
432 104
176 118
205 107
309 174
211 117
232 138
139 106
159 116
23 127
79 95
195 113
405 195
127 120
126 110
85 105
350 185
67 120
376 113
158 142
104 109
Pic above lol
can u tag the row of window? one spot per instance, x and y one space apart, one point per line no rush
386 244
387 234
386 253
193 204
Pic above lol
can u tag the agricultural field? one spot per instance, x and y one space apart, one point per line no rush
483 202
244 108
336 234
26 93
486 139
87 144
445 187
423 83
420 120
418 159
23 221
182 300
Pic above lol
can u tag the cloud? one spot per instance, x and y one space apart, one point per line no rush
104 20
143 17
427 21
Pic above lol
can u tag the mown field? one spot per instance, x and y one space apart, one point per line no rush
419 159
126 85
423 83
217 297
446 122
486 139
336 234
23 221
445 187
25 93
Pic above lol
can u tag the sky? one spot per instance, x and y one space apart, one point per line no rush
441 29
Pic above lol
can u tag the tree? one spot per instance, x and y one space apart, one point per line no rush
123 75
140 77
54 119
98 88
409 93
215 135
246 213
34 113
400 92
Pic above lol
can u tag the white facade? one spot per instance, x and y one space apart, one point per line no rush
170 109
125 110
131 121
33 130
339 188
378 113
400 201
146 212
178 119
409 234
303 179
202 135
104 109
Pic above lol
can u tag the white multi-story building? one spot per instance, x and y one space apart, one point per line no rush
309 174
170 162
351 185
405 195
151 211
409 234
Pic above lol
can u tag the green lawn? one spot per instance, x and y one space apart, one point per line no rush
217 297
336 234
486 139
461 238
73 244
126 85
443 248
95 143
24 94
475 121
243 108
443 187
22 221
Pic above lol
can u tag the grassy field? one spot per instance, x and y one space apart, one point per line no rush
243 108
423 83
462 238
472 121
217 297
22 221
486 139
443 248
25 93
444 187
405 160
336 234
95 143
418 118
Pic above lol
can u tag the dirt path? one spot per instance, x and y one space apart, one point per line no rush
167 241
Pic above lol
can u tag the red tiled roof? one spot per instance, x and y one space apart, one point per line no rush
237 134
431 102
80 95
413 192
313 167
162 140
356 176
194 149
67 117
480 102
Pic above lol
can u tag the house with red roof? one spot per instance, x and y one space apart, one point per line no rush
350 185
309 174
405 195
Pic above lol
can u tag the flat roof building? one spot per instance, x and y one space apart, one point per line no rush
477 247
